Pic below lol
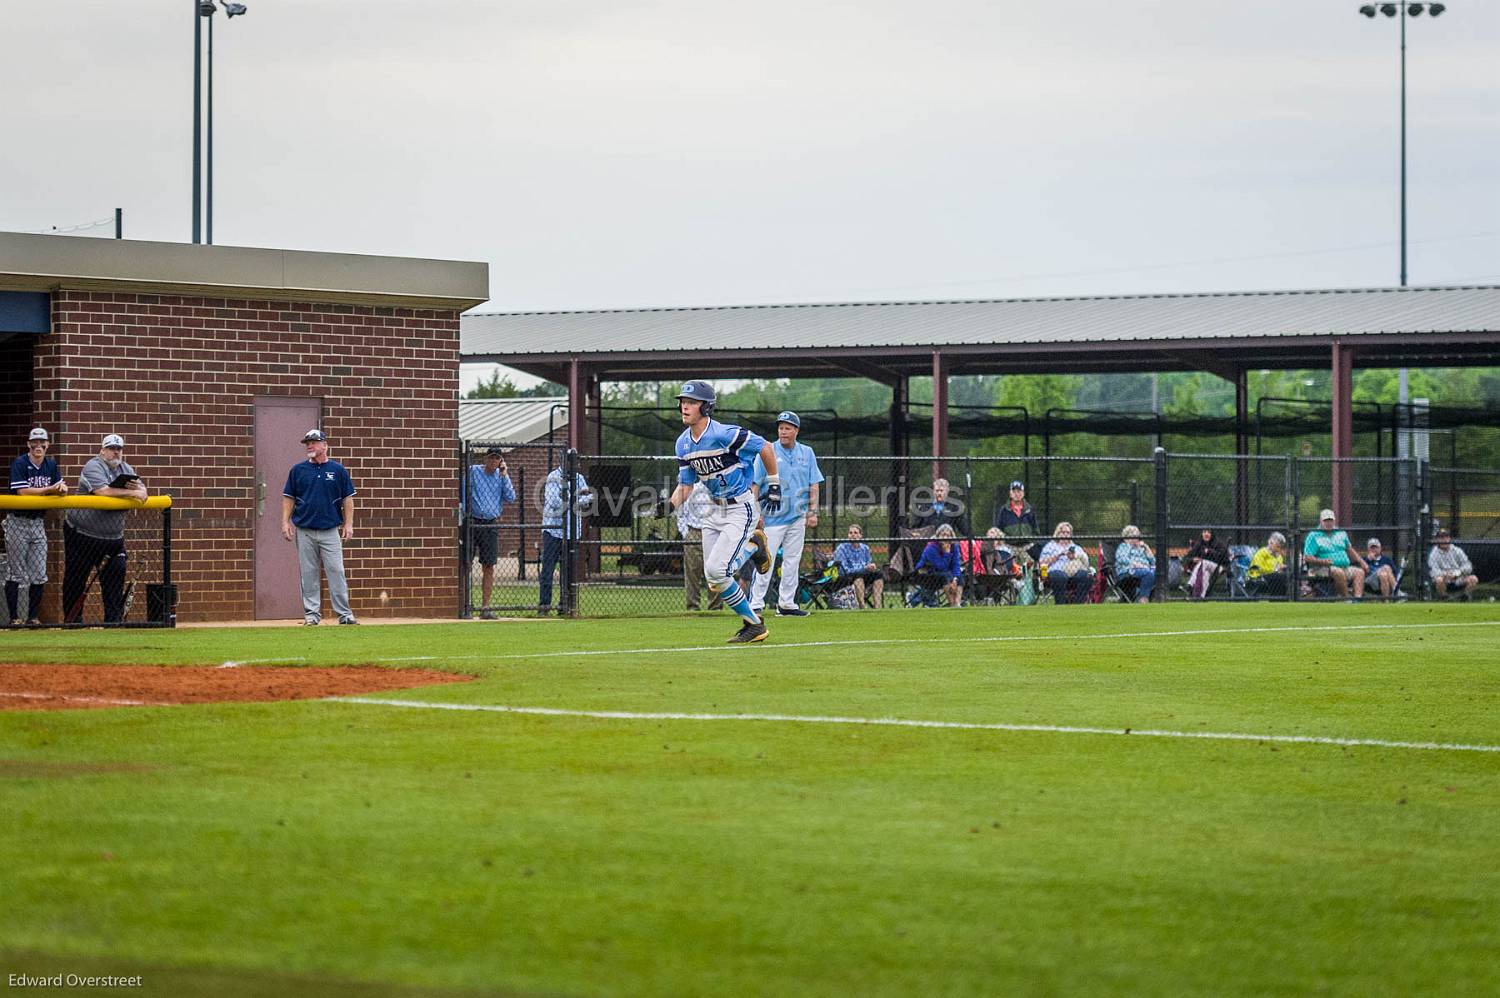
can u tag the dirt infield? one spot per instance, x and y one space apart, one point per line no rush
72 687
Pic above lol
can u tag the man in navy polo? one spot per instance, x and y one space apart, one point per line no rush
318 502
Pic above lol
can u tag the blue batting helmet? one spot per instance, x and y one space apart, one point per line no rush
699 391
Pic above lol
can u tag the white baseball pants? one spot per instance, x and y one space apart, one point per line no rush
726 538
790 538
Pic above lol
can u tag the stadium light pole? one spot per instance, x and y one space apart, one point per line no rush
205 10
197 122
1395 10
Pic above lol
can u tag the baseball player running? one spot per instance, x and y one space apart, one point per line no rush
723 457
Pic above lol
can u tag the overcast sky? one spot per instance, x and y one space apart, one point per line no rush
627 154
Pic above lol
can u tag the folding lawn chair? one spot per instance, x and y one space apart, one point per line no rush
1239 567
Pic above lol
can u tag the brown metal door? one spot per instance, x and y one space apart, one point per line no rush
279 426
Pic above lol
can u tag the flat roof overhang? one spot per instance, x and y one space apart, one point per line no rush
46 263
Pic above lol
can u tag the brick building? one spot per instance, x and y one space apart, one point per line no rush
212 361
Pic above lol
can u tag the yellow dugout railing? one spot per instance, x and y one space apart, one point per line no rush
82 502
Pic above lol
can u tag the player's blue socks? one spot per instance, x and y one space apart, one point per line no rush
736 600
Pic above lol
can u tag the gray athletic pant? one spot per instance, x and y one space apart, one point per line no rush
322 548
25 550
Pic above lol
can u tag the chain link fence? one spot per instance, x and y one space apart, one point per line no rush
624 556
1467 502
82 562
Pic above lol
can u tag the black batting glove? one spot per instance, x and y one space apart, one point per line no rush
772 501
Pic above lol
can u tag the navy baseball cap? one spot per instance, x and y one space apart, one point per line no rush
698 391
312 435
788 416
1018 484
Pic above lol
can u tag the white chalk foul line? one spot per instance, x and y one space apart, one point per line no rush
72 699
990 639
260 661
895 722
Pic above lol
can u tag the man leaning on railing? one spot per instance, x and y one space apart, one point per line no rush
31 474
94 539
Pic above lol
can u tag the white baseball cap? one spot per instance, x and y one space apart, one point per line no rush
113 440
1327 514
38 434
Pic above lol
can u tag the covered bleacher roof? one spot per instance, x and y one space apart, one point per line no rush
515 419
1386 327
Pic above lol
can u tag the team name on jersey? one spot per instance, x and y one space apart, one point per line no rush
707 463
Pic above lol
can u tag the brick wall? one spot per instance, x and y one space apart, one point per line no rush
177 376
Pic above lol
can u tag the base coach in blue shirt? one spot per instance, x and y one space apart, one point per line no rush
317 511
786 529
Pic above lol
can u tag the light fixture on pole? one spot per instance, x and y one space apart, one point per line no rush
1412 10
205 9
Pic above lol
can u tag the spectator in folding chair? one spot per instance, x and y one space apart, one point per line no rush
1266 575
994 575
1328 555
938 572
1135 566
1204 560
1450 568
1069 574
857 566
1382 575
977 558
906 549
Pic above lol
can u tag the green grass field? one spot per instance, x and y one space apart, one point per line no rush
330 848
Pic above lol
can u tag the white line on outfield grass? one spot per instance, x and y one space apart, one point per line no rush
895 722
991 639
72 699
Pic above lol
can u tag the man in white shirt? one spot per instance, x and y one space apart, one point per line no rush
1451 569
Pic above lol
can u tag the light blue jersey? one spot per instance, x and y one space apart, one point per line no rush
798 470
723 459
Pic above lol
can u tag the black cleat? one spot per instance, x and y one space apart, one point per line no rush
790 611
750 632
762 555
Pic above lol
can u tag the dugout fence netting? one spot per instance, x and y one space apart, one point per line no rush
621 555
111 571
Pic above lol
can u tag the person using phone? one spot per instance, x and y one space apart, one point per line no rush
94 539
1069 574
489 490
